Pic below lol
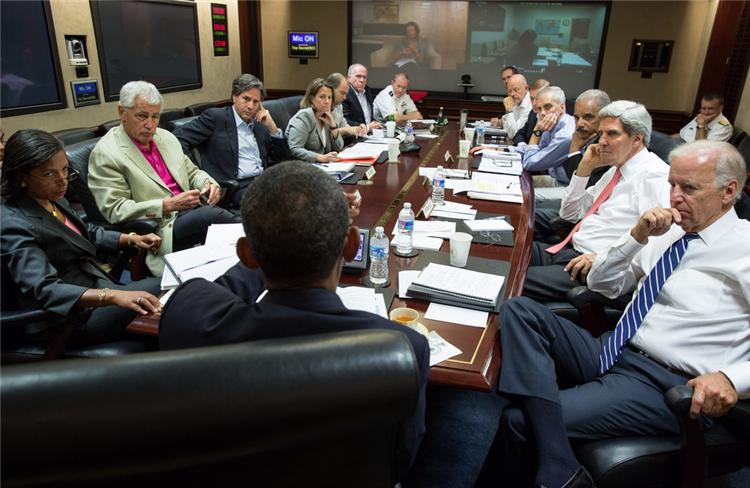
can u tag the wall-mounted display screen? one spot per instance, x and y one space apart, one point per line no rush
436 42
303 44
147 40
30 75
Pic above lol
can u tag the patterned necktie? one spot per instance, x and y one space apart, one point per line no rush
641 304
597 203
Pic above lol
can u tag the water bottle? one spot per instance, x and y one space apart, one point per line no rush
405 229
409 131
379 250
480 133
438 187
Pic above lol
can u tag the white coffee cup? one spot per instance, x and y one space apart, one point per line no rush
469 133
463 149
460 243
393 151
390 128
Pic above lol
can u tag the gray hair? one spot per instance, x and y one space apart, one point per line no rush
132 91
399 75
730 165
633 116
600 98
246 82
558 95
351 68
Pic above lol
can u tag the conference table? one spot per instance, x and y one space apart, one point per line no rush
397 183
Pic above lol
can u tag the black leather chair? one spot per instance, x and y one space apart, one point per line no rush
661 144
230 187
107 126
78 157
684 461
168 116
197 109
71 136
313 411
738 135
282 110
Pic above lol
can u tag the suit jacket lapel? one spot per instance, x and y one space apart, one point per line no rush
33 209
138 159
260 141
232 133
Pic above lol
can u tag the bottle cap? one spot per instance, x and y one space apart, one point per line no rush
439 167
378 230
407 205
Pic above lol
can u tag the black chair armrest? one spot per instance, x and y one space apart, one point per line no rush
141 227
18 318
561 227
231 187
678 399
582 295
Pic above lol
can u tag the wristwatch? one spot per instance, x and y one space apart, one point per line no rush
538 133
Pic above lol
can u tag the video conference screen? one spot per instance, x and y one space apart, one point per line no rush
436 42
147 40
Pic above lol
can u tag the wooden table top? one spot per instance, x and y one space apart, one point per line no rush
393 185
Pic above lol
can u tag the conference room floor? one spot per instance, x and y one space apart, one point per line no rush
394 184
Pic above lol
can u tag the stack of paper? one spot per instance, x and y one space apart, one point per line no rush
339 171
362 154
490 225
208 262
219 234
501 162
364 299
428 234
453 210
458 287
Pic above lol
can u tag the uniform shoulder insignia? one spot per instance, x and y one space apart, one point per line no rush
724 123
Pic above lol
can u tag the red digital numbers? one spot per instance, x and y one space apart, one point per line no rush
220 43
218 10
219 27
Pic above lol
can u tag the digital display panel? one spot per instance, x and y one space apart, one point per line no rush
303 44
85 92
219 28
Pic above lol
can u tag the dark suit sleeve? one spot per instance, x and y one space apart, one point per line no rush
195 133
346 106
524 133
246 283
571 164
278 150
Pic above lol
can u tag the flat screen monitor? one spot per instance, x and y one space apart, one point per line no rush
30 77
154 41
436 42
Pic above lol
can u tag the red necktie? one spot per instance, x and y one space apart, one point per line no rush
597 203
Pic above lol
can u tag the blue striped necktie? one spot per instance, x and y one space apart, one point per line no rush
642 303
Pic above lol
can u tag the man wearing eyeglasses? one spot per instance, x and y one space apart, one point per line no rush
710 124
517 106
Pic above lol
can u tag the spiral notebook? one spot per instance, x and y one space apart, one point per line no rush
457 286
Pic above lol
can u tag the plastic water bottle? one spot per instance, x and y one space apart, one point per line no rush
405 229
438 187
379 251
409 131
480 133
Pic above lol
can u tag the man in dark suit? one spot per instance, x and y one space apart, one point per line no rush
237 142
358 105
296 221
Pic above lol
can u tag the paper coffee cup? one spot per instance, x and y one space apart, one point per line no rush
390 128
460 243
469 133
393 151
463 149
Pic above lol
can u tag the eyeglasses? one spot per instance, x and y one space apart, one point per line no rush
72 175
493 238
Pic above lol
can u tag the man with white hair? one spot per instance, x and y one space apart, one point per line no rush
358 108
138 171
636 182
517 106
687 266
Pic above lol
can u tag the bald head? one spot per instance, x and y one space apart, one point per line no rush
517 88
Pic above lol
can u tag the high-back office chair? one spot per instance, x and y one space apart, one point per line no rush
107 126
313 411
737 136
71 136
168 116
78 157
282 110
197 109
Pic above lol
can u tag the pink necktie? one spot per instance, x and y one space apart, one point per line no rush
597 203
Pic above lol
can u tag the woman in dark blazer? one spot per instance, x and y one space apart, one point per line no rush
50 253
312 133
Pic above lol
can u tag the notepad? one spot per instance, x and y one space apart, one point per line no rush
457 286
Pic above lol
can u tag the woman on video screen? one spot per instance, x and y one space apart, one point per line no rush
410 49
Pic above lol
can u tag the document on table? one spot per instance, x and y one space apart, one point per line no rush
440 349
404 281
455 210
502 166
219 234
431 228
423 242
364 299
361 151
207 261
457 315
490 225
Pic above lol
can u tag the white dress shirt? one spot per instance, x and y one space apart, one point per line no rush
517 117
700 321
718 129
365 106
643 185
338 116
386 104
250 163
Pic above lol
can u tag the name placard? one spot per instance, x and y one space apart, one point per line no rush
426 209
370 173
